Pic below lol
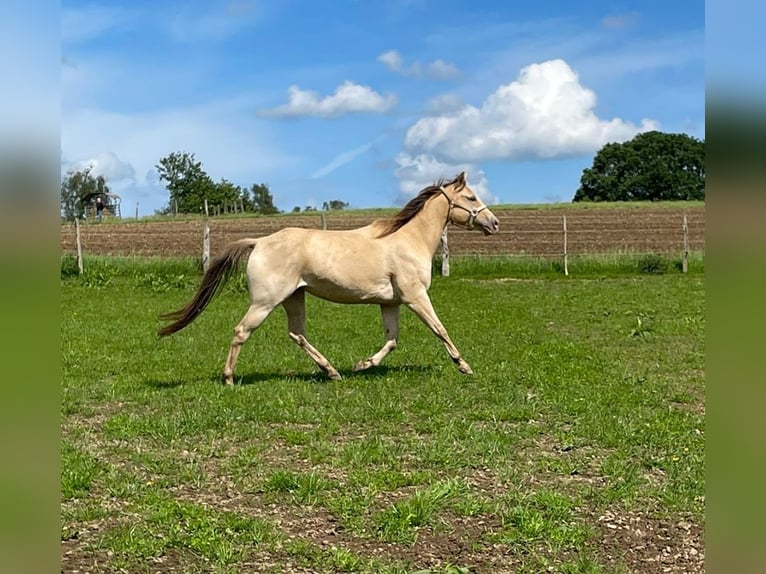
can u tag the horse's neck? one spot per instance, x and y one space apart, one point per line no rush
427 226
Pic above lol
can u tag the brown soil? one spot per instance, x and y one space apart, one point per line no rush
523 232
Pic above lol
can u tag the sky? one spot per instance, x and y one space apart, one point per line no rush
369 102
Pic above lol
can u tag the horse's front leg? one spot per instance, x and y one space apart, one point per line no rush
391 329
420 304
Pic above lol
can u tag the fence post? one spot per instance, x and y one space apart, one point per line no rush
78 242
445 253
566 255
685 261
324 221
175 208
206 241
136 211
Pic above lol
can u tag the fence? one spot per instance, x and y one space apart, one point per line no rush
541 233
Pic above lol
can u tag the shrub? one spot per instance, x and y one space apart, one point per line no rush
653 264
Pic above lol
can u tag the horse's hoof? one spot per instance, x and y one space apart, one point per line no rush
334 376
464 368
228 381
362 365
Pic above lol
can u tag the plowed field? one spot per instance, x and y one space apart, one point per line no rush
523 232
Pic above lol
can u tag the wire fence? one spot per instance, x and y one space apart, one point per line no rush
539 233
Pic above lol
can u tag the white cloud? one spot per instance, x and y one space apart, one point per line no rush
444 104
393 61
107 164
441 70
438 69
221 134
348 98
545 113
419 171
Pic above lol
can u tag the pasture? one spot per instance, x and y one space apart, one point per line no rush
577 446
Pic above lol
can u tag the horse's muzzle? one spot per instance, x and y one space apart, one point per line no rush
490 226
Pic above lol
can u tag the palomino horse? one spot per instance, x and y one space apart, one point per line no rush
387 263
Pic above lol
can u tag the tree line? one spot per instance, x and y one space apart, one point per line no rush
188 186
653 166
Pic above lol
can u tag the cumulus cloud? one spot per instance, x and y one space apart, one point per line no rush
444 104
441 70
544 113
393 61
128 145
418 171
438 69
348 98
106 164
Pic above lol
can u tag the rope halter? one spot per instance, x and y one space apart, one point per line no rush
472 213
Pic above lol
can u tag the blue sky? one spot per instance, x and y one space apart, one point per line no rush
368 102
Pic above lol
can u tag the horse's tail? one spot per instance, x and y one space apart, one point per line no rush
220 270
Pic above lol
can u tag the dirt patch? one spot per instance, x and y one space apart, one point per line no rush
534 232
648 545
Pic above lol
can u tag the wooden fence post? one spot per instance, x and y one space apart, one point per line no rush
136 211
445 254
685 261
566 255
324 221
175 207
206 241
79 243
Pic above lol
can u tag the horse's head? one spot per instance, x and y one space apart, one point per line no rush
466 209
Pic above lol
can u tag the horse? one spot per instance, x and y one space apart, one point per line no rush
387 263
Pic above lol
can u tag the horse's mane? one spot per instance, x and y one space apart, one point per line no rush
413 207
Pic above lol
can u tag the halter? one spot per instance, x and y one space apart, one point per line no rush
472 213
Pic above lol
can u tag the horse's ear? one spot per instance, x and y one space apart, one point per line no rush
460 180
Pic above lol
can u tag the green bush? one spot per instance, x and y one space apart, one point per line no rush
652 264
69 266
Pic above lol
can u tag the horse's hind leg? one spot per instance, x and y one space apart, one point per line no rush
391 328
295 307
255 315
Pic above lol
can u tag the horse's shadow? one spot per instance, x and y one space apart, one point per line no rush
317 377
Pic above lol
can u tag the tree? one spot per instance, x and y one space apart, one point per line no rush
76 185
226 193
653 166
187 182
297 209
334 205
262 200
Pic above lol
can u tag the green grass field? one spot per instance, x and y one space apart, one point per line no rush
577 447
